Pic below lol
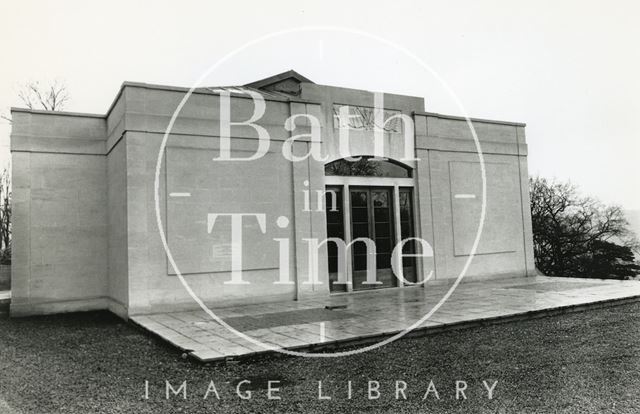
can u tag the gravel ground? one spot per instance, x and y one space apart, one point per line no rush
96 363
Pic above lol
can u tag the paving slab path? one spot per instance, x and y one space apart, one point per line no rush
368 317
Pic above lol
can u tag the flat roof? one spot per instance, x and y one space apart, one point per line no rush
212 91
462 118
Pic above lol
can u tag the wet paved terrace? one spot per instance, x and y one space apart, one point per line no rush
368 317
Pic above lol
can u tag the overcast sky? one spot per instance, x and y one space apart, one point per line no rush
569 69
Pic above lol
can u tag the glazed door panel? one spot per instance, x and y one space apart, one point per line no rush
335 228
372 217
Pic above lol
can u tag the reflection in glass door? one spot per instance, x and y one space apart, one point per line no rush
372 217
335 228
407 231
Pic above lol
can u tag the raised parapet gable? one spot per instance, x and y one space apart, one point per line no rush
453 133
149 108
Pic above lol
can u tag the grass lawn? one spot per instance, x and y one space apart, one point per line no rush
96 363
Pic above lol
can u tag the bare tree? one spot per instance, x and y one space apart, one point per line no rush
5 217
569 230
52 96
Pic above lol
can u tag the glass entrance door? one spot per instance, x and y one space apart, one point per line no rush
372 217
406 232
335 229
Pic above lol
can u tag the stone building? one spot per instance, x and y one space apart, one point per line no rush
85 228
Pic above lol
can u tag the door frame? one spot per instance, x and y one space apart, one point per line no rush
372 225
345 183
